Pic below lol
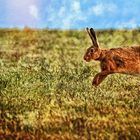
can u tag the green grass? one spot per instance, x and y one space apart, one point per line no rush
46 87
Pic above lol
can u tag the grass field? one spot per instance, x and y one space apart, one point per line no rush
46 87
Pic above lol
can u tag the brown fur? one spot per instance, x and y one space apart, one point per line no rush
124 60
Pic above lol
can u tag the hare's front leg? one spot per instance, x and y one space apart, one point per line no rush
99 78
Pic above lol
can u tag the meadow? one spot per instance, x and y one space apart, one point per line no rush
46 87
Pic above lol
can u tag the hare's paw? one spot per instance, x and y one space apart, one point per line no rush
98 78
95 81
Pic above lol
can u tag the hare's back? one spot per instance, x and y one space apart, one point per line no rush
130 57
128 53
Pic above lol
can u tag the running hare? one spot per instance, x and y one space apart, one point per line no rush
117 60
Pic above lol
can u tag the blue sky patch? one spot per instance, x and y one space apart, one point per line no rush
70 14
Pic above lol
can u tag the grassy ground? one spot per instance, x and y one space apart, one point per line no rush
46 91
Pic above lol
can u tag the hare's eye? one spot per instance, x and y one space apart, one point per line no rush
91 50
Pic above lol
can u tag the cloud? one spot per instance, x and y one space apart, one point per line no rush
76 7
75 15
70 13
103 8
67 15
33 10
22 13
98 9
66 23
61 11
127 24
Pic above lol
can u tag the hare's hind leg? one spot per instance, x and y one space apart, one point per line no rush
100 77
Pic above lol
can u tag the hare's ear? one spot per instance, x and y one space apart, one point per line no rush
94 36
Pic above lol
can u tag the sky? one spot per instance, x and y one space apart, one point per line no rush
70 14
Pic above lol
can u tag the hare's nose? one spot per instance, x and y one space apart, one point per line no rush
85 57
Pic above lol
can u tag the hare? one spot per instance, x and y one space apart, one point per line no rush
116 60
